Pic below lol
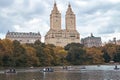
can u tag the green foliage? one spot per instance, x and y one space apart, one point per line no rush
76 54
116 57
39 52
6 60
67 47
19 54
106 57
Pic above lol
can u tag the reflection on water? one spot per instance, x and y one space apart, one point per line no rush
64 75
100 75
41 76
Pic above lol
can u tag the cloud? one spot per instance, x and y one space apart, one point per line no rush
2 36
5 24
20 13
100 17
33 25
6 3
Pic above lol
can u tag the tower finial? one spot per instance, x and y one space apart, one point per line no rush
69 10
92 35
55 8
69 5
54 2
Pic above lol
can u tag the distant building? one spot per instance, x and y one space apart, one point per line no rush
118 42
114 41
91 41
58 36
23 37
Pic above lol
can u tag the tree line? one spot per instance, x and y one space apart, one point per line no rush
14 54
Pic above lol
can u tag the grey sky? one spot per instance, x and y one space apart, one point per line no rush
100 17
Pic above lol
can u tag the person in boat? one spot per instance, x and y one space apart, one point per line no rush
65 67
11 71
116 68
14 71
48 70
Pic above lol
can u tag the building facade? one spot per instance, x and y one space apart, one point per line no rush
23 37
91 41
58 36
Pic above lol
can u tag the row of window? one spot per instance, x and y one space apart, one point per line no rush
23 34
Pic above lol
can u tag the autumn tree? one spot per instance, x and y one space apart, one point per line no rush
2 49
110 49
6 52
60 55
95 54
32 59
39 48
19 54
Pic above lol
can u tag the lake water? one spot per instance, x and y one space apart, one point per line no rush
89 74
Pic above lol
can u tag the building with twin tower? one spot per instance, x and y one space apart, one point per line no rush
58 36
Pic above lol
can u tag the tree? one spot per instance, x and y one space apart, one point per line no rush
76 55
68 46
94 55
2 49
39 48
19 54
106 57
60 55
6 52
110 49
116 57
32 59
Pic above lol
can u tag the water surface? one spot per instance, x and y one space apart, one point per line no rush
35 74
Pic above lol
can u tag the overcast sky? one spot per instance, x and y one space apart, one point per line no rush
100 17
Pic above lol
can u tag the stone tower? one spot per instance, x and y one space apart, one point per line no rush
58 36
55 18
70 19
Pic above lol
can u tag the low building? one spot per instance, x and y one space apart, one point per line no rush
23 37
91 41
